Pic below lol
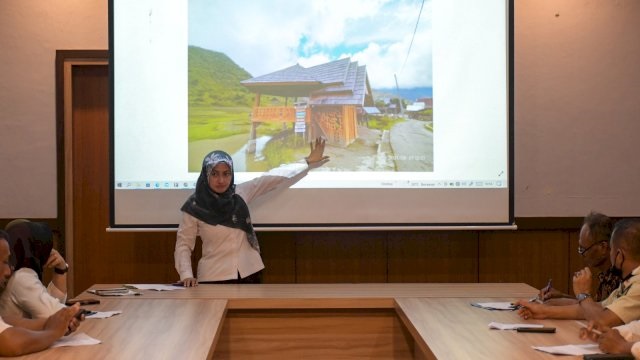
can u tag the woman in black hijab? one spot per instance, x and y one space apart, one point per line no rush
32 251
217 212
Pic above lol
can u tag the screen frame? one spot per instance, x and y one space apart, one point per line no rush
510 224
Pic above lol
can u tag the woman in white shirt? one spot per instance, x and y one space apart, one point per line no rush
217 212
32 251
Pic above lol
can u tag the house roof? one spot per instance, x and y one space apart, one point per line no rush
335 83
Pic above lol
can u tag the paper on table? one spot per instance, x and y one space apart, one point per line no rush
75 339
103 292
158 287
501 326
495 305
103 314
580 349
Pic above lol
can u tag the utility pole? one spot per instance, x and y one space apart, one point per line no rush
399 97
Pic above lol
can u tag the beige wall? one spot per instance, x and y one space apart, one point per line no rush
576 93
577 105
30 33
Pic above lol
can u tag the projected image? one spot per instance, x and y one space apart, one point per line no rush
265 78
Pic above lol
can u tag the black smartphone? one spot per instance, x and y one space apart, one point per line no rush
83 302
84 312
537 329
608 357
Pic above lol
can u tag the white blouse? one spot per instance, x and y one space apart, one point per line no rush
26 296
226 251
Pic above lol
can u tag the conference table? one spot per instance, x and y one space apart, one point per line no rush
314 321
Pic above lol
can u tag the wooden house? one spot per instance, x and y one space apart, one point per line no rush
335 94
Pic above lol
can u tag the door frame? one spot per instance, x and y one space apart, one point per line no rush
65 62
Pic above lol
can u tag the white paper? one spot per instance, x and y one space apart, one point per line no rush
505 305
103 314
158 287
580 349
75 339
502 326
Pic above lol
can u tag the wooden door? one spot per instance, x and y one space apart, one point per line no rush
95 254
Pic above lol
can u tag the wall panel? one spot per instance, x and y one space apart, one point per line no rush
433 256
524 256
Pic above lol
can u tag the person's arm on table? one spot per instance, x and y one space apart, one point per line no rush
16 340
611 342
561 301
531 310
592 310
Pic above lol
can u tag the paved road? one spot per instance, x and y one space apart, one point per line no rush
412 146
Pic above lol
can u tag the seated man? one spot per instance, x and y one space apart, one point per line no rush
622 306
593 245
26 335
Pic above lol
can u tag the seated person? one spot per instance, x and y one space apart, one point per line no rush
19 336
25 296
622 306
593 245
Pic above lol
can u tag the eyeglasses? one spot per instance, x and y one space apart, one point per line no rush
582 250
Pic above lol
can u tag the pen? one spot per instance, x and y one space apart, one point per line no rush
536 299
545 290
593 330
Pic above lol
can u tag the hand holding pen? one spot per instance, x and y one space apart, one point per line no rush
546 292
592 331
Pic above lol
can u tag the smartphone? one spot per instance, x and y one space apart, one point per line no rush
84 312
608 357
537 330
83 302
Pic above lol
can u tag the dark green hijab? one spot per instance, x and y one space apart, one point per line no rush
227 209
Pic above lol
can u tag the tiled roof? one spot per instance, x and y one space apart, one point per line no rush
338 82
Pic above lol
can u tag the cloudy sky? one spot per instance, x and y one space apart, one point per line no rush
263 36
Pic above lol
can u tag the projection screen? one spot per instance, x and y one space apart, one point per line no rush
414 99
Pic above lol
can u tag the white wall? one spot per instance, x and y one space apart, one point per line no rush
577 91
30 33
577 73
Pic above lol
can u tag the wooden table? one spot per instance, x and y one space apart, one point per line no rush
307 296
453 329
149 329
313 321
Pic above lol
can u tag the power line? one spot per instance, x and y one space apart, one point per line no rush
412 37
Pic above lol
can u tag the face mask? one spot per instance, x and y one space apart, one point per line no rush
617 271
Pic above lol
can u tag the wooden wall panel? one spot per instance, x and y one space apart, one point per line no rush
278 253
531 257
433 256
314 334
348 256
